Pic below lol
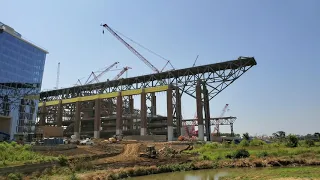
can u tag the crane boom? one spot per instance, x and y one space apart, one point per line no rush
102 73
121 72
131 49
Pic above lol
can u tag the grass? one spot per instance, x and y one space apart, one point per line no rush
14 154
256 149
207 156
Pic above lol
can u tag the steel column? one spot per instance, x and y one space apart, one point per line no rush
169 114
97 118
180 129
119 121
199 112
77 120
207 112
143 114
60 114
153 104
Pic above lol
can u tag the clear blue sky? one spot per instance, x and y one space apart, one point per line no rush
280 93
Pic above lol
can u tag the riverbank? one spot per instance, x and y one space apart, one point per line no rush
204 156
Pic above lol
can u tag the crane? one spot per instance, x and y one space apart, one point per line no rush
132 49
102 73
121 72
216 129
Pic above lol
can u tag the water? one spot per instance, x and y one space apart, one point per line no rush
211 174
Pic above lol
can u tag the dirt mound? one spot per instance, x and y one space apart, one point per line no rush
130 153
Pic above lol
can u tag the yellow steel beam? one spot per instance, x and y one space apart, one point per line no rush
107 95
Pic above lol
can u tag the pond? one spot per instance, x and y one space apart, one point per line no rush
239 173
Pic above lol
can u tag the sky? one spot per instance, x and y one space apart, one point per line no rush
280 93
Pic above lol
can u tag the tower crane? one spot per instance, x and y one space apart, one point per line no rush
216 129
133 50
101 74
121 72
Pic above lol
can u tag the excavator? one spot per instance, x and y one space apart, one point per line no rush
150 152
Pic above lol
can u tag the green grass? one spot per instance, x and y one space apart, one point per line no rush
273 173
216 151
15 154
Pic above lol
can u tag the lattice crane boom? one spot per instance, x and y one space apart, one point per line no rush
131 48
102 73
121 72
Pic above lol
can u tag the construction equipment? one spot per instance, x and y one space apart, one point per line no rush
96 78
121 72
150 152
216 129
135 51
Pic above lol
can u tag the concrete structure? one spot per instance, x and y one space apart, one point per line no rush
21 70
105 109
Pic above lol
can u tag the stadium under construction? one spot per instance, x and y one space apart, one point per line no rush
107 108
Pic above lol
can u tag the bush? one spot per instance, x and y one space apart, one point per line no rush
309 143
262 154
15 176
63 161
292 141
257 142
244 143
241 153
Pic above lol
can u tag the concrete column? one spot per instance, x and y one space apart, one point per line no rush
207 112
97 118
143 114
42 121
231 128
60 114
131 106
119 110
199 112
153 104
77 120
169 114
178 111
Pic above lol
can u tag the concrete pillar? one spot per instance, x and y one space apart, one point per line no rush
131 107
143 114
199 112
59 114
169 114
153 104
119 122
77 120
179 115
207 112
42 121
97 118
231 128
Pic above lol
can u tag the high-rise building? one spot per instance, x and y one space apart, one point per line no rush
21 70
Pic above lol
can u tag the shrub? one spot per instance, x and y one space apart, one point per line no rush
262 154
309 143
241 153
257 142
15 176
292 141
63 161
244 143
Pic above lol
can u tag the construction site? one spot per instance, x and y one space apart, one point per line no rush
104 109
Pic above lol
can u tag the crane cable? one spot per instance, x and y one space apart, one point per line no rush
154 53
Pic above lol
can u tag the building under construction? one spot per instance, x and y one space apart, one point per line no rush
106 108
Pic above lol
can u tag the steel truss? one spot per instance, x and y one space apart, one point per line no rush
216 77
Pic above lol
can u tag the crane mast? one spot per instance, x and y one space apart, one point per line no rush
131 48
102 73
122 72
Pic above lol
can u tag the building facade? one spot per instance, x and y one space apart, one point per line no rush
21 71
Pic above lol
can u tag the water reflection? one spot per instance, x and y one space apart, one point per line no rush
189 175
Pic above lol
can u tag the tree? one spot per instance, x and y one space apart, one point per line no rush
292 141
317 134
246 136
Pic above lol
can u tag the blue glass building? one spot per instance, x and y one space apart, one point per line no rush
21 70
